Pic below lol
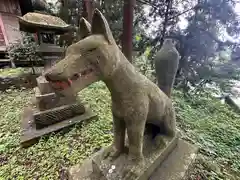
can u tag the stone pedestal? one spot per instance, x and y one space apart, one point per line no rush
50 112
234 102
177 163
167 163
43 85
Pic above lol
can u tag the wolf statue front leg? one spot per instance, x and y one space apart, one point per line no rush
135 123
133 120
117 148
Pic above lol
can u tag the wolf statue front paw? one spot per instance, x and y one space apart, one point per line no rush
111 153
135 160
135 165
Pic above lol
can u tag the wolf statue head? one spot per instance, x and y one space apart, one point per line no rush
95 57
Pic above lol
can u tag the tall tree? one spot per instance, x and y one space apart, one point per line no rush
166 19
201 40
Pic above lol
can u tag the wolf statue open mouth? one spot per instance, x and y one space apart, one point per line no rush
62 85
66 83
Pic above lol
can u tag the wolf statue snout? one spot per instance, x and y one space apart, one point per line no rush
52 77
57 81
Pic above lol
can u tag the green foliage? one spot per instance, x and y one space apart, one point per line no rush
10 72
26 49
114 15
144 66
49 158
200 42
214 127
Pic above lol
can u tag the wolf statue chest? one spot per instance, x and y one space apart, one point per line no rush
120 109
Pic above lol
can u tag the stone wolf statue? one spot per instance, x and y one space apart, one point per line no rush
136 101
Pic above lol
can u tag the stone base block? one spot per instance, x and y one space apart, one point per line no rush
43 85
51 100
30 134
98 167
234 102
177 163
58 114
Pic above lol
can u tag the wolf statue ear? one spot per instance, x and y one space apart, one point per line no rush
100 26
85 28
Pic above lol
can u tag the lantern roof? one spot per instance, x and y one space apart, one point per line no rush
34 22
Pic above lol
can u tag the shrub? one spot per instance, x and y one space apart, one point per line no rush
143 65
25 49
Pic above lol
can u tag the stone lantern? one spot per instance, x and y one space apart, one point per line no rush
46 28
49 111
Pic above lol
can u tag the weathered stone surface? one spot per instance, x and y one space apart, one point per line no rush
234 102
32 22
30 134
43 85
118 168
25 80
51 100
177 163
173 167
84 172
46 101
166 66
55 115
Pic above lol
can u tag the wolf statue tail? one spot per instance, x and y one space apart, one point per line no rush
166 66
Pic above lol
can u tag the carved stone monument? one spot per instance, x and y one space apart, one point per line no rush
143 116
166 66
50 111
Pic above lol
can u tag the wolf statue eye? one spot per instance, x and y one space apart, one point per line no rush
91 50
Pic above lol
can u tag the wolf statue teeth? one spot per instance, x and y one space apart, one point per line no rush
136 101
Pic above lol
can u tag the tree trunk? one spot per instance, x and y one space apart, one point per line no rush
128 10
166 16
